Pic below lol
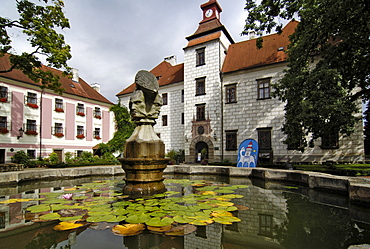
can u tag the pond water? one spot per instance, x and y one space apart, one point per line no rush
272 215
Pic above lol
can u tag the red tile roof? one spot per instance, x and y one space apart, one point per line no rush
81 89
244 55
204 39
166 73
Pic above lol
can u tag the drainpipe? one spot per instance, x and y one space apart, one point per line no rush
41 123
222 102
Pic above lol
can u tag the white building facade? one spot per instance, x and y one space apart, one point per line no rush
221 95
40 123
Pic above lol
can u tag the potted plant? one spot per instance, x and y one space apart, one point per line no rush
81 114
4 130
59 110
31 132
34 106
80 136
59 134
97 137
5 99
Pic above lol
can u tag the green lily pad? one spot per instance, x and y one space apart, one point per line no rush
39 208
158 222
138 218
50 216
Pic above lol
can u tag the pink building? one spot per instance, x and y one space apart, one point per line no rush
44 122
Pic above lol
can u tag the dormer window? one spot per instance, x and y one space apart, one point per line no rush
201 59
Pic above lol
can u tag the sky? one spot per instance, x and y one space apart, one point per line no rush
112 40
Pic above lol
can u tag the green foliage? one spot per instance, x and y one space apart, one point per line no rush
124 129
322 97
173 155
68 157
53 157
39 23
21 158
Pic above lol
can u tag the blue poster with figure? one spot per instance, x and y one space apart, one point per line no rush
248 154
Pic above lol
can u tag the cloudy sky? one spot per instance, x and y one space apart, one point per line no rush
111 40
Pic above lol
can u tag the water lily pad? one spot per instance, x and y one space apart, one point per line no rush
158 222
128 229
138 218
39 208
182 219
181 230
98 218
241 207
50 216
65 225
227 220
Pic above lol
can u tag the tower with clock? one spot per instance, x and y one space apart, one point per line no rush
211 10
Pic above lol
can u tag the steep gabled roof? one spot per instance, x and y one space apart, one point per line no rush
244 55
165 73
81 88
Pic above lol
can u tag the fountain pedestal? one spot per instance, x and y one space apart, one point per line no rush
144 162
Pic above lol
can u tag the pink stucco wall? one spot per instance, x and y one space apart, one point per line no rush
106 126
47 112
17 113
70 121
89 124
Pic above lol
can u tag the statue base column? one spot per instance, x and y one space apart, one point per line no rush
144 163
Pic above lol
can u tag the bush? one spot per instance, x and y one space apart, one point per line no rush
173 156
53 158
21 158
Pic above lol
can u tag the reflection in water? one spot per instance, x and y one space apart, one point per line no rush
278 217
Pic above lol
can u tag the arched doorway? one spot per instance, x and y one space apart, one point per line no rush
199 147
197 144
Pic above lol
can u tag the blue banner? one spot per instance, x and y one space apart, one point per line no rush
248 154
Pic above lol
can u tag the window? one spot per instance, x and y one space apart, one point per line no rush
164 120
3 94
231 93
80 109
97 133
31 125
201 112
266 225
200 86
58 128
231 140
201 58
31 98
330 141
182 95
31 154
3 122
3 125
165 98
182 118
263 88
59 105
264 138
80 130
97 113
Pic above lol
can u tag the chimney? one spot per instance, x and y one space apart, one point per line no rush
96 87
75 75
171 59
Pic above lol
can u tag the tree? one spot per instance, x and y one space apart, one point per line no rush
40 24
124 129
328 64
